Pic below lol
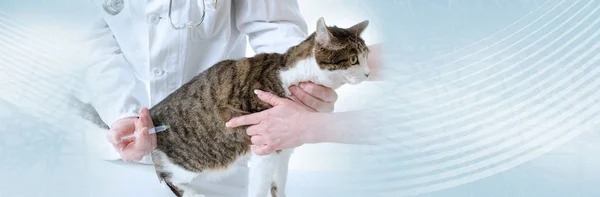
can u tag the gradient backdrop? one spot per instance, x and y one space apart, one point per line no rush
483 98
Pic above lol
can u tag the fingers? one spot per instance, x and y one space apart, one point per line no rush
130 156
137 149
258 140
117 145
114 137
145 119
121 128
374 62
133 149
317 97
263 150
255 130
118 130
320 92
250 119
140 147
297 100
311 102
256 118
143 142
270 98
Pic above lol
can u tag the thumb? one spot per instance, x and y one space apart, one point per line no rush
144 132
142 137
145 120
268 97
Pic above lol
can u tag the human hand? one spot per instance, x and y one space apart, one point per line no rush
285 125
136 148
375 62
315 98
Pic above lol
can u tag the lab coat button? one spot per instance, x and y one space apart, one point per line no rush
158 72
113 7
154 19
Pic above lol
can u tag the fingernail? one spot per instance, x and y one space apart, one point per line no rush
227 124
293 88
256 91
302 85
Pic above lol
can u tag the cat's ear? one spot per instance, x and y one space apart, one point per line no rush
323 34
359 28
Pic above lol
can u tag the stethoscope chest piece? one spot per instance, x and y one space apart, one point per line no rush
113 7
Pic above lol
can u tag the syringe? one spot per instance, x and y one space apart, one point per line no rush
150 131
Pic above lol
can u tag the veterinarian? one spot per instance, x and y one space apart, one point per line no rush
148 49
151 48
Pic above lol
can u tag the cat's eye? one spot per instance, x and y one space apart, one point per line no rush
353 60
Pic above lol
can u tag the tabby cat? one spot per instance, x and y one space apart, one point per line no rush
199 143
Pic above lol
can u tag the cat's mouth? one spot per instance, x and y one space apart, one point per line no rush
355 79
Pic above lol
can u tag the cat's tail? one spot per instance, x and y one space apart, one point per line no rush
173 189
87 112
163 177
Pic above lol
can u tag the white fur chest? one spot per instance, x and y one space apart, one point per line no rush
308 70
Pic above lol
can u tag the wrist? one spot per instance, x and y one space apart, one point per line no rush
316 123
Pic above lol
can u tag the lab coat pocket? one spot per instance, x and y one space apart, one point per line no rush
216 22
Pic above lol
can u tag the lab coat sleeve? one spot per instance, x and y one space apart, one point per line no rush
271 25
110 81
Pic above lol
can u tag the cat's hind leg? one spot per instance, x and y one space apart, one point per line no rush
281 172
175 177
262 168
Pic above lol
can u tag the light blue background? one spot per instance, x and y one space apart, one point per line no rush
469 82
489 98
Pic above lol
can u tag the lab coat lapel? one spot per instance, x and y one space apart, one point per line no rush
130 29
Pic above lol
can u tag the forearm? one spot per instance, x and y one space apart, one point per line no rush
356 127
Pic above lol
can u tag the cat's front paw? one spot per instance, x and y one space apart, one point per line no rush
278 194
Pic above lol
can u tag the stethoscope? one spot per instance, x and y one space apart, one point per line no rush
114 7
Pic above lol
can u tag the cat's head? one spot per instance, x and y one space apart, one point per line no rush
341 52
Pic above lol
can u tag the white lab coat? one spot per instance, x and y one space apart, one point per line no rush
144 59
140 58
